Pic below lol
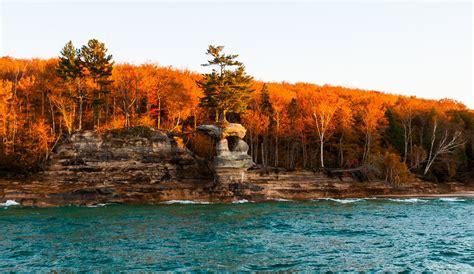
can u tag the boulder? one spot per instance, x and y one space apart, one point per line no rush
211 130
234 129
230 129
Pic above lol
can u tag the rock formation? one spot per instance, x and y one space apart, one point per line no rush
231 161
146 166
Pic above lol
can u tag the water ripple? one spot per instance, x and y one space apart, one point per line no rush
392 235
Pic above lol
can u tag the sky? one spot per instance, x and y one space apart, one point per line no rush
412 48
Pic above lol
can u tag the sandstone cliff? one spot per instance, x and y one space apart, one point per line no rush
147 166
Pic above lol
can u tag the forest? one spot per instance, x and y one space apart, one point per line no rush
291 126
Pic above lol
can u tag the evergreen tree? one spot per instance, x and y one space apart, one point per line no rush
394 131
70 69
225 89
98 65
265 104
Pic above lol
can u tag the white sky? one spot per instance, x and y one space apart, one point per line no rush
413 48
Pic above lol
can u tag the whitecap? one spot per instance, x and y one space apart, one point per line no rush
447 199
408 200
10 203
97 205
342 201
185 202
281 200
243 201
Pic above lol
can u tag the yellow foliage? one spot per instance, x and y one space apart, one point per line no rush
392 169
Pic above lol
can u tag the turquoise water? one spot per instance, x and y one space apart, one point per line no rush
333 235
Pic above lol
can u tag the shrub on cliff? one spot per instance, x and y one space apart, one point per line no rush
391 169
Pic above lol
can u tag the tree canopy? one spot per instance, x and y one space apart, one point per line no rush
290 125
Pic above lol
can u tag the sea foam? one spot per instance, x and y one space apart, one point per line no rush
185 202
447 199
243 201
408 200
281 200
97 205
10 203
342 201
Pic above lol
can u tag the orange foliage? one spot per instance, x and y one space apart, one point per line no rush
346 125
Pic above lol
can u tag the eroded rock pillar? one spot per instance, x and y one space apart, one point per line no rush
232 161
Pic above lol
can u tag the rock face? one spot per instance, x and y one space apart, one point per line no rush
230 148
232 161
137 154
143 166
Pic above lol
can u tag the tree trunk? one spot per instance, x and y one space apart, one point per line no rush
341 152
321 152
405 139
159 113
276 148
433 137
114 111
52 115
81 101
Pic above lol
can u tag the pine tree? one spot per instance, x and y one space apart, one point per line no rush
98 66
265 104
394 131
70 69
225 89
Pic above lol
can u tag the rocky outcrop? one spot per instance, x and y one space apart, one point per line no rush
139 154
144 166
230 148
232 161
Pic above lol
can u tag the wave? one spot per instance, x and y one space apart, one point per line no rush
97 205
280 200
409 200
342 201
451 199
243 201
10 203
185 202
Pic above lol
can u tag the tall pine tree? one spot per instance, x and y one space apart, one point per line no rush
227 88
70 69
99 66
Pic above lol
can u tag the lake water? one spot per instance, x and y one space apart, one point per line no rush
333 235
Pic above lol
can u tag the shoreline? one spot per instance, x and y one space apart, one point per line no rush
130 167
469 194
288 186
343 200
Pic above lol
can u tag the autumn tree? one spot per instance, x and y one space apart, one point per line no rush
267 111
67 109
372 114
40 99
344 122
9 122
445 137
225 89
125 82
321 107
404 110
280 101
293 114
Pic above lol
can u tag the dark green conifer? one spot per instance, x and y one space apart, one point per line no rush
225 89
98 65
70 69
